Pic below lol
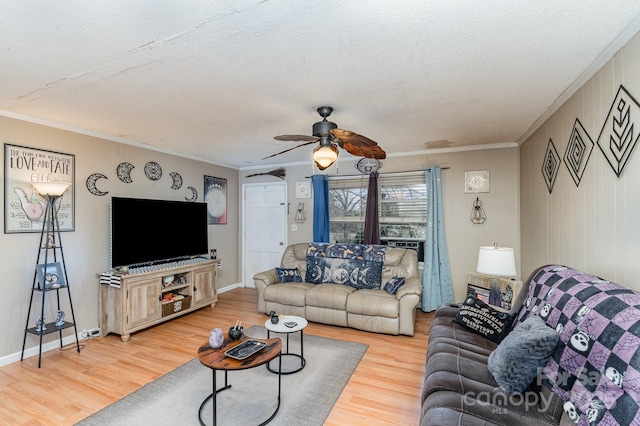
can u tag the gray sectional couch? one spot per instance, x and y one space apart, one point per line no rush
592 375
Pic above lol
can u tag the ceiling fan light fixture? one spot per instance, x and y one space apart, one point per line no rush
325 155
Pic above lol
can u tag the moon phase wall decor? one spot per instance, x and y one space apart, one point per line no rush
194 194
91 184
215 195
617 138
177 180
153 170
124 172
578 152
551 165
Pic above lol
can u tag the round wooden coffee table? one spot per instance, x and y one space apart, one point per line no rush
281 327
215 359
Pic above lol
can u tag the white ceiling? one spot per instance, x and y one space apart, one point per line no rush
216 80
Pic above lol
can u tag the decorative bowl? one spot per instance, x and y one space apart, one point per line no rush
235 333
168 279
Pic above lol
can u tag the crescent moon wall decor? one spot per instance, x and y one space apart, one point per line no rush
124 172
91 184
194 194
153 170
177 180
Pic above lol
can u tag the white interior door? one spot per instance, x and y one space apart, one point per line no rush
265 227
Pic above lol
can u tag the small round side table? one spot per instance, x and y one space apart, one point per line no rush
280 327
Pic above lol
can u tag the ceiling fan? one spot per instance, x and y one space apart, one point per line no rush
330 137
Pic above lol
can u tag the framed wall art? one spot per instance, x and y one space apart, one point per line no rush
215 195
23 207
303 189
476 181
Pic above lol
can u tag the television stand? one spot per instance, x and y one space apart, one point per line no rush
135 301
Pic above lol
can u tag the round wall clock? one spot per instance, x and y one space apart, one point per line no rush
368 165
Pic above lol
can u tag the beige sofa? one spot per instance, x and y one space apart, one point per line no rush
337 304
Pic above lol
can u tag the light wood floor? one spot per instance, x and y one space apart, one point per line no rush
384 390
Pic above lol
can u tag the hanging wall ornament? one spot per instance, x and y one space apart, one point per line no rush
617 138
153 170
279 173
177 180
578 152
124 172
194 194
551 165
91 184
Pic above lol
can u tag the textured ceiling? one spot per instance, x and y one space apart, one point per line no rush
216 80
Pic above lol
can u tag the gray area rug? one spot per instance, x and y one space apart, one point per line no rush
307 396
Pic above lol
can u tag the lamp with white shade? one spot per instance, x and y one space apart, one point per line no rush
50 255
496 262
325 154
51 189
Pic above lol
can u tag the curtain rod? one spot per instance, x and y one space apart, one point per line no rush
387 173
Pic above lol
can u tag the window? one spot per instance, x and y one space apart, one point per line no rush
402 207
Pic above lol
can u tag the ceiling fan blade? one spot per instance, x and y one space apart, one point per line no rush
287 150
358 145
296 138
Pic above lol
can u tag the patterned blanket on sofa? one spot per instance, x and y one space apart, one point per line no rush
596 366
356 265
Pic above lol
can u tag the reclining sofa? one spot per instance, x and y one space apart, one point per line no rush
341 288
590 375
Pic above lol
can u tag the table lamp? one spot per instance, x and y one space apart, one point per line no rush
496 262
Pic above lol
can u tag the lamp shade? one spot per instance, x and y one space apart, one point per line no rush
325 155
496 261
54 189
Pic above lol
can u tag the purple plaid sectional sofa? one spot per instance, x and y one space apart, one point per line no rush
591 375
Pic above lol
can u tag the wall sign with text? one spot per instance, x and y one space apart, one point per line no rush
23 207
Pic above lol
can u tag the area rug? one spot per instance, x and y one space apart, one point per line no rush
307 396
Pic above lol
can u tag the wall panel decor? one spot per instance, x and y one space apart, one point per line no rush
550 165
619 135
578 152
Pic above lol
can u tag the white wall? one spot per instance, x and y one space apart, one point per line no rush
593 227
464 238
86 249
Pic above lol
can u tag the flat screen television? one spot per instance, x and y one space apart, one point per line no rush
153 231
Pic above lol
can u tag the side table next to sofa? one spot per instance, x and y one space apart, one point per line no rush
281 327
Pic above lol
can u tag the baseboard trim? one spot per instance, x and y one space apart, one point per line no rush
55 344
46 347
229 287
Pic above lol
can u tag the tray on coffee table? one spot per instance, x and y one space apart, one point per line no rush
245 349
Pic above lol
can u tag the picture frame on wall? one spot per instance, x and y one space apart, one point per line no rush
303 189
215 195
24 208
50 276
476 181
